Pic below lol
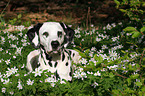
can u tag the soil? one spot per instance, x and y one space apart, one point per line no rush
77 14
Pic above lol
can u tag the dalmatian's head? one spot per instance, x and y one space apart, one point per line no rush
50 36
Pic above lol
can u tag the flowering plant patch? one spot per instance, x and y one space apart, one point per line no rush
112 63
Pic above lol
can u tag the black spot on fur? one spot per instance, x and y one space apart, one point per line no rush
66 64
50 63
55 64
69 52
63 57
70 73
57 75
73 54
34 62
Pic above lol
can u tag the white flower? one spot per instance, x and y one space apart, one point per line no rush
14 70
1 75
97 74
114 39
3 90
93 49
29 82
95 84
104 47
13 46
113 24
20 34
20 28
50 79
19 85
37 71
19 50
23 66
83 61
120 46
6 81
108 27
112 67
1 49
98 39
8 62
2 40
14 56
11 92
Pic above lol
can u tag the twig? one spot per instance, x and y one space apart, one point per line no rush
4 8
141 57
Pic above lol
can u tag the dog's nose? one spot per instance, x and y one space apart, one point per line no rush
54 44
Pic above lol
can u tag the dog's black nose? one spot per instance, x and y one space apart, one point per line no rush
54 44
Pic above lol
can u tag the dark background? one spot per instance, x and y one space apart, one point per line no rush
76 12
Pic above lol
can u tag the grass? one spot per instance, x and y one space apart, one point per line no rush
112 64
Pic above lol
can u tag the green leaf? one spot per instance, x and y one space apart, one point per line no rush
142 29
122 10
99 59
130 29
138 84
117 3
135 76
111 74
136 34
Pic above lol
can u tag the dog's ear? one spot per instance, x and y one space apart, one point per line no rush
33 35
69 34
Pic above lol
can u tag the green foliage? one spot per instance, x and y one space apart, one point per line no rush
112 63
134 9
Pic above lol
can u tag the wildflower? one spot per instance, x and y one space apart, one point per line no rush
14 56
114 39
13 46
3 90
108 27
2 40
95 84
12 37
1 49
119 46
19 85
6 81
104 47
20 34
20 28
97 74
98 39
114 67
89 72
83 61
11 92
7 61
93 49
1 75
14 70
52 84
19 50
113 24
29 82
50 79
23 66
120 23
37 71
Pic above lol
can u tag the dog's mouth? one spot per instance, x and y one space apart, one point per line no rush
54 51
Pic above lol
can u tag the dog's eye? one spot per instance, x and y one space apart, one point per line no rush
45 34
59 34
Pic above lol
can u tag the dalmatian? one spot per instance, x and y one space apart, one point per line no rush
50 40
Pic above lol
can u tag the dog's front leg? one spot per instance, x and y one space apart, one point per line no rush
33 60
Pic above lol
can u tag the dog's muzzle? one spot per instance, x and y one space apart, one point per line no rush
55 45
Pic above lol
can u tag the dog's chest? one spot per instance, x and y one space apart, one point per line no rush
56 62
